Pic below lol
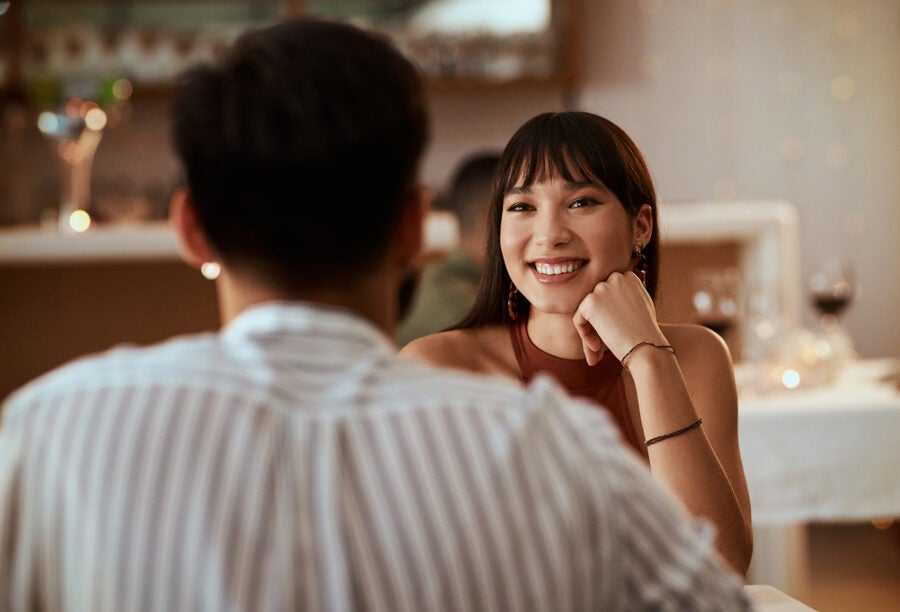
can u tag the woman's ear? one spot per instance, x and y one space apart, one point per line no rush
195 248
643 224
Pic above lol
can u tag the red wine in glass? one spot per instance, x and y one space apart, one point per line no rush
832 289
832 302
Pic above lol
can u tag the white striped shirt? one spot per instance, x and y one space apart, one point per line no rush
292 462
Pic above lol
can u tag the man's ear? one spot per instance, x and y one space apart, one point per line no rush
643 225
411 232
195 248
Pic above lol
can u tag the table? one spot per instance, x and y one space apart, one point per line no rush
825 454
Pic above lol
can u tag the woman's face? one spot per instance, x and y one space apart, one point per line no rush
559 239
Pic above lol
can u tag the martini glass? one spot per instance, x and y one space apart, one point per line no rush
76 130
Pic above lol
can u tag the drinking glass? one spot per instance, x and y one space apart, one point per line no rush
716 298
76 130
832 288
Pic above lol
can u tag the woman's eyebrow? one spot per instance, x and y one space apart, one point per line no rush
569 185
519 190
575 185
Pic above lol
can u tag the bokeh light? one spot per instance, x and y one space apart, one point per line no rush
48 123
790 379
95 119
79 221
843 87
122 89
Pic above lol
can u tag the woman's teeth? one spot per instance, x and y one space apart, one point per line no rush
552 269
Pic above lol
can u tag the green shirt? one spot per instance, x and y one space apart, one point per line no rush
445 293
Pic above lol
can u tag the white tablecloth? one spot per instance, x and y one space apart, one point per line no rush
824 454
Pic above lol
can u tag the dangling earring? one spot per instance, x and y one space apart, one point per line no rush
512 301
641 265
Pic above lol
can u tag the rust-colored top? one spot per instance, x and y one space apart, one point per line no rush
601 383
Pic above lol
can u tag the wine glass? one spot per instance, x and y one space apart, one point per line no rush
716 298
832 288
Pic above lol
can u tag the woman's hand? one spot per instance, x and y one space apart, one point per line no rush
616 315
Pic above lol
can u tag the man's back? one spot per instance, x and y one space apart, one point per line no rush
292 462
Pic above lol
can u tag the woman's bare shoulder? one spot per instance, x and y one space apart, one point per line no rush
695 341
702 353
481 349
440 348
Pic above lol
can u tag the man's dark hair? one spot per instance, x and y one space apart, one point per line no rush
469 193
299 149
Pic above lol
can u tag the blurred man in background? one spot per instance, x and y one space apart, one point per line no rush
448 283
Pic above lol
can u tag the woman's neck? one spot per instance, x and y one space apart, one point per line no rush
555 334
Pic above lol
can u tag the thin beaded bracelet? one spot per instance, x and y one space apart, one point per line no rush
665 347
672 434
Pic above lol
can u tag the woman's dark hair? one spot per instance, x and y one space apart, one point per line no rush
573 146
299 149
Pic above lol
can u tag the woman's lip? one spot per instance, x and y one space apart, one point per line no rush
555 260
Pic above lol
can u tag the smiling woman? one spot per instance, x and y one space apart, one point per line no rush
572 264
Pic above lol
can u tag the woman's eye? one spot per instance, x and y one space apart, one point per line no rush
583 202
518 207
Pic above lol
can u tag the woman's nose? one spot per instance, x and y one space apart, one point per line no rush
550 230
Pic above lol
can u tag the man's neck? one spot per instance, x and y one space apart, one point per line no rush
372 297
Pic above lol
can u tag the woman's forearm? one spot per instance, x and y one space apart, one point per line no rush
687 463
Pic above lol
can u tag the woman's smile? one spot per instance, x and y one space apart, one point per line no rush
556 270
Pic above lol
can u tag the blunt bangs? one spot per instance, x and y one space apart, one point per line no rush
551 146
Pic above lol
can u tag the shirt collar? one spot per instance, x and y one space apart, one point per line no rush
306 318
